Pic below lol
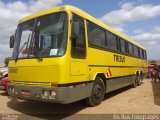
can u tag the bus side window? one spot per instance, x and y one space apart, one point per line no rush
112 41
122 46
130 47
96 35
141 53
145 55
126 46
78 38
135 50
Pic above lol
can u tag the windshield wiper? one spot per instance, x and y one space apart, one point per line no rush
20 51
22 47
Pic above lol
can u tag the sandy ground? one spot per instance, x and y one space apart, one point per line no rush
144 99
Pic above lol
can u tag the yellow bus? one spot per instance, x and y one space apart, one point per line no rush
63 54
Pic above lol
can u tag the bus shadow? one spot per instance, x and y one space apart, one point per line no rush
156 92
44 110
116 92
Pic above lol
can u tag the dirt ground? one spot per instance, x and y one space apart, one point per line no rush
144 99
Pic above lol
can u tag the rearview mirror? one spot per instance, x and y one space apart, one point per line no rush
12 40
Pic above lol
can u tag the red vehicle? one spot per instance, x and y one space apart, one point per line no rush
151 69
4 84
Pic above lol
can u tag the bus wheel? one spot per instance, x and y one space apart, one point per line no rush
97 94
139 80
134 85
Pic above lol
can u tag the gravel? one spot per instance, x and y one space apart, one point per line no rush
144 99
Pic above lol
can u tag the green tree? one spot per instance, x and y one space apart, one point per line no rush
6 60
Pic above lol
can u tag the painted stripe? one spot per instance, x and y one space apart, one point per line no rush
109 72
115 66
115 52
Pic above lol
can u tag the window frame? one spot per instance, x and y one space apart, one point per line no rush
120 45
90 44
85 48
135 49
51 56
129 43
118 38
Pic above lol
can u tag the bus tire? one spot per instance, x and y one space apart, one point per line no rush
139 81
97 94
134 85
141 78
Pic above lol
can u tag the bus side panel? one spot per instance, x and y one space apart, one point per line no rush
116 83
121 74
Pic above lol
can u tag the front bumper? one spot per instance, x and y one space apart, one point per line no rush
64 95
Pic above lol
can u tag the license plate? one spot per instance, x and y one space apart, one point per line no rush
26 93
2 87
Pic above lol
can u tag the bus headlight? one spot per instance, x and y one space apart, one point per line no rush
53 94
45 94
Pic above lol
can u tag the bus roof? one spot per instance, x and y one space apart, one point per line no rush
82 14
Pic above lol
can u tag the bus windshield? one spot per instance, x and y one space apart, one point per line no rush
44 36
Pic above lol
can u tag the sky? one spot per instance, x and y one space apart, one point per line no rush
138 19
